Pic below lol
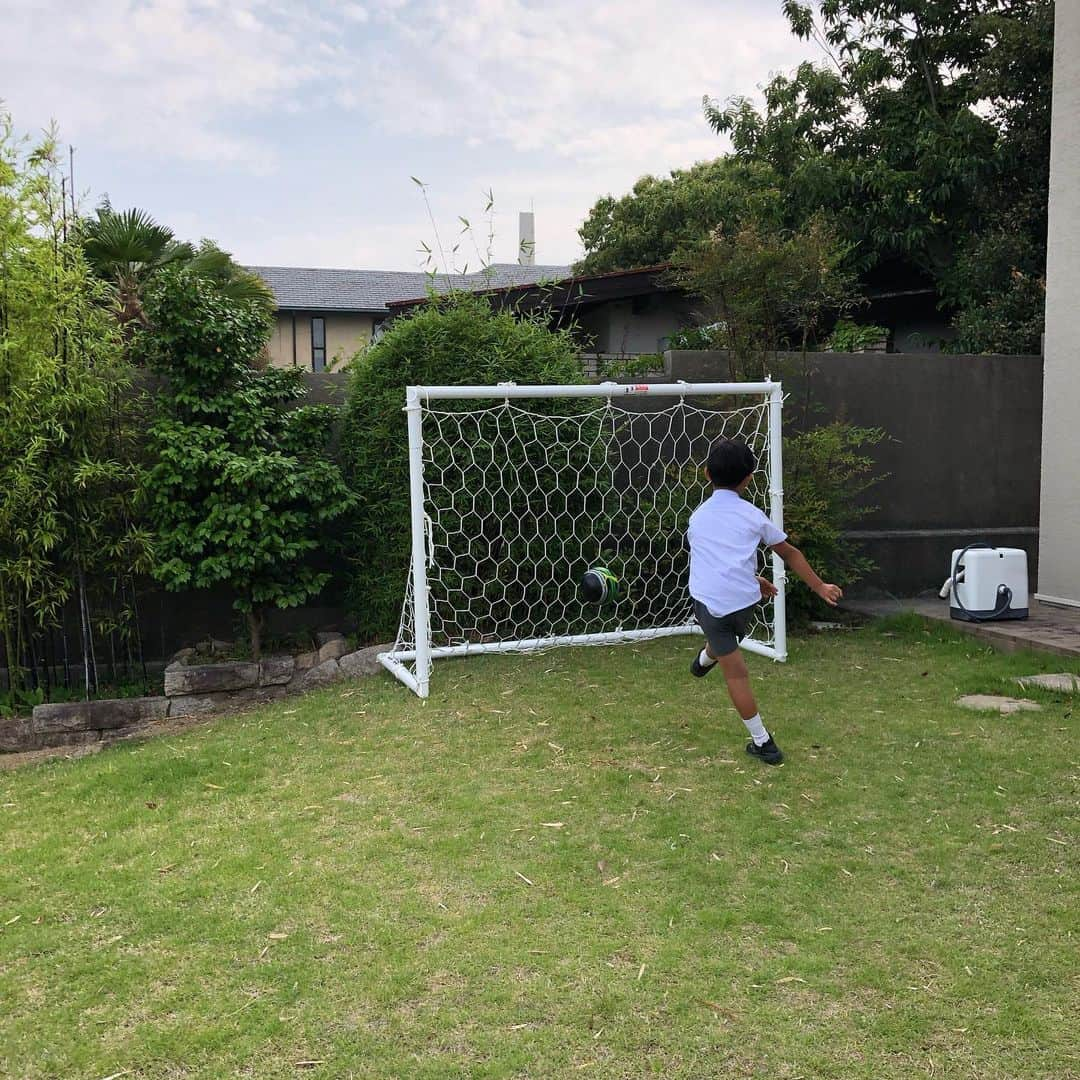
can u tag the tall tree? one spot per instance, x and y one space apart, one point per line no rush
926 138
68 454
765 289
241 486
663 215
129 248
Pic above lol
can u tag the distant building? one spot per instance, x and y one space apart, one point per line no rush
628 313
622 313
325 315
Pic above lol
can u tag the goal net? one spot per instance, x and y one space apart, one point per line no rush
517 491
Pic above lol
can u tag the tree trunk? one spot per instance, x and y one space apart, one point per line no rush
255 626
10 655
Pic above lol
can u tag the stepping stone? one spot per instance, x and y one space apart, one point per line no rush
1062 683
995 703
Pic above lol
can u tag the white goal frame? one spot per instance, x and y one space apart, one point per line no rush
417 397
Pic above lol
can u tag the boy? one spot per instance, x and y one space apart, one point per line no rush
725 533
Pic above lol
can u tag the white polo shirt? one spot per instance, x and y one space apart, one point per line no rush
725 533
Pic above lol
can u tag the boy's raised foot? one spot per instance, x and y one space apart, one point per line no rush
698 669
768 752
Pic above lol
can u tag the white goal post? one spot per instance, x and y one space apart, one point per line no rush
513 497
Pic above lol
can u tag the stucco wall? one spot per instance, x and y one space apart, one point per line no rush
1059 537
345 333
629 326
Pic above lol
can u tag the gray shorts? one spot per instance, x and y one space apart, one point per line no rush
724 633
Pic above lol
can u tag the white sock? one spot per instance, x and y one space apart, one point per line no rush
757 730
704 659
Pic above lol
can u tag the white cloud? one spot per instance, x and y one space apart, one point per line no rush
175 78
557 103
589 82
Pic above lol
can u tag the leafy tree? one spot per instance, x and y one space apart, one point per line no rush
766 290
128 248
68 452
241 489
925 138
664 215
928 134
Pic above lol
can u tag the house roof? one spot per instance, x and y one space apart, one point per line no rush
567 290
370 291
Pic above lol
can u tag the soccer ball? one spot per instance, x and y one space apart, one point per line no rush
599 585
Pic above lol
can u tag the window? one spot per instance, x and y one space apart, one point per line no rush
318 344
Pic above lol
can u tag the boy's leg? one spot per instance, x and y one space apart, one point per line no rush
742 697
738 683
722 635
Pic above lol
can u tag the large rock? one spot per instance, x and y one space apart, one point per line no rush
306 660
333 649
323 636
17 734
363 662
210 678
276 670
321 675
181 656
103 715
202 704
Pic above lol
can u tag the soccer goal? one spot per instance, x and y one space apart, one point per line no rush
517 491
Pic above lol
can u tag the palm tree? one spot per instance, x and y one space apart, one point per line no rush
129 248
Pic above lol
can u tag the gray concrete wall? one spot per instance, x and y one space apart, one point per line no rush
962 458
1060 521
962 453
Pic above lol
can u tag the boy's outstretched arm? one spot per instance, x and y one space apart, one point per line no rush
796 561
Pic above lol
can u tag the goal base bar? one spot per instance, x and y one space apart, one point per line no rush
395 662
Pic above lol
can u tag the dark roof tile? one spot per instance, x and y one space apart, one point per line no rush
369 291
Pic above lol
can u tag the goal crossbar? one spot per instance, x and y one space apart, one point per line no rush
511 390
423 652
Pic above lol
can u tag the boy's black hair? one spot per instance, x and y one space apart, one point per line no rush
730 462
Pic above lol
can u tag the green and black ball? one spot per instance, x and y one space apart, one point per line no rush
599 585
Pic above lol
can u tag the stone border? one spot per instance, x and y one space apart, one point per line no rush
190 690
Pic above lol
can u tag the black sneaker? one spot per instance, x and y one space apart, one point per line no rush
698 669
768 752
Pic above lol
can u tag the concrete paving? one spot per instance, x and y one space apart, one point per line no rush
1048 628
996 703
1062 683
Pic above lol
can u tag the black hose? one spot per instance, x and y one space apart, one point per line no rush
1003 590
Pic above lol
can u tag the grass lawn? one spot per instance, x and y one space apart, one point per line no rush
562 865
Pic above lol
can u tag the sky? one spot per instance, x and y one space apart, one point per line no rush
290 131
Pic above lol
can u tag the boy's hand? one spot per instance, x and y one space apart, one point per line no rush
831 594
768 589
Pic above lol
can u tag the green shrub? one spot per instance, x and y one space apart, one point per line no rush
698 337
458 340
241 489
826 471
848 336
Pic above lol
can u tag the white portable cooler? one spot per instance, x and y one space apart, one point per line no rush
988 583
